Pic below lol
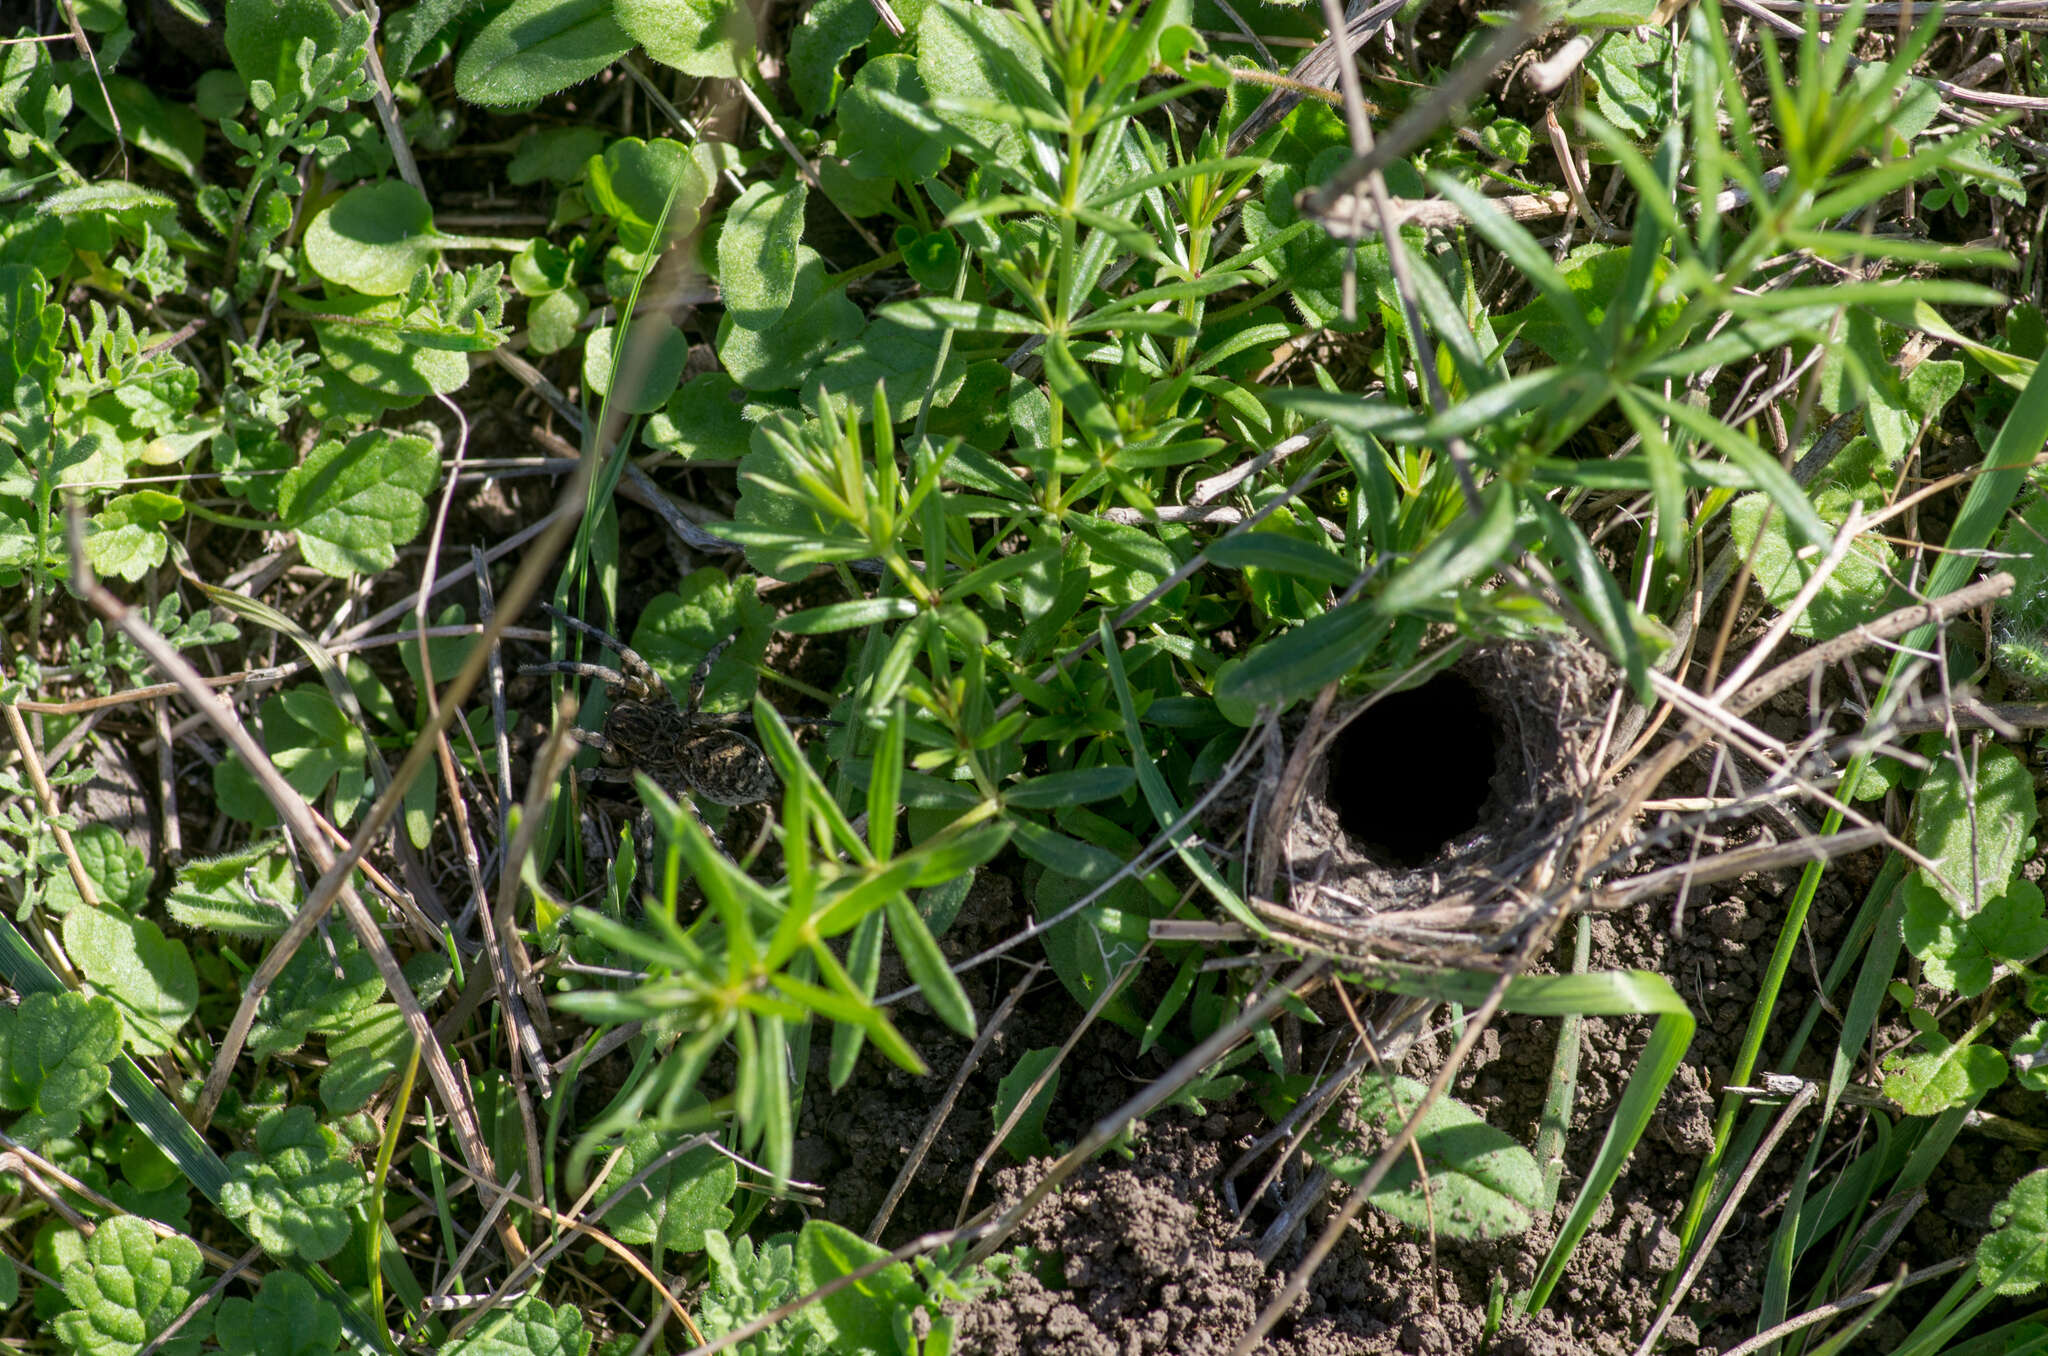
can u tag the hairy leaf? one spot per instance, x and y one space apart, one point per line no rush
706 38
293 1194
149 976
1958 952
819 318
129 1286
757 253
1478 1182
374 238
354 504
676 1204
119 871
56 1050
532 1329
633 179
862 1318
537 47
1974 829
2013 1257
287 1318
316 991
878 141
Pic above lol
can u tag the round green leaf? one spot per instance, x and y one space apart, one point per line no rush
374 239
632 180
660 370
294 1195
536 48
1480 1184
703 419
149 976
877 135
1974 830
705 38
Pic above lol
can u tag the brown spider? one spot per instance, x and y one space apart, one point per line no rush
682 749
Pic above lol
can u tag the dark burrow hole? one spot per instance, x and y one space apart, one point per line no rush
1414 771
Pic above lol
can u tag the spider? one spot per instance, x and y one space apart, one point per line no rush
682 749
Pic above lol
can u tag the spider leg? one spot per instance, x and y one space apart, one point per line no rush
612 677
723 719
638 678
703 671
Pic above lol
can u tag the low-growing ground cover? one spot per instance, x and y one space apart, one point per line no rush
887 677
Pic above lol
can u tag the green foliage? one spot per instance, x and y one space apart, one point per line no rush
697 37
633 180
1959 950
55 1053
1973 818
746 1281
355 502
534 48
722 979
250 892
295 1193
1473 1182
374 238
1631 79
831 30
286 1319
119 871
660 373
1026 1139
2013 1258
870 1317
533 1328
314 745
149 976
126 1289
321 988
1943 1073
757 259
2021 637
679 1203
1010 306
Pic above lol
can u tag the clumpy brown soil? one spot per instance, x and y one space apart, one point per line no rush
1142 1256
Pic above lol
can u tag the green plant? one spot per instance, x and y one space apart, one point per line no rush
1064 451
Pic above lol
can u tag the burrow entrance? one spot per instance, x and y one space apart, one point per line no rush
1413 771
1445 796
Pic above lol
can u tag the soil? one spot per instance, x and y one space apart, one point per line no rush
1141 1255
